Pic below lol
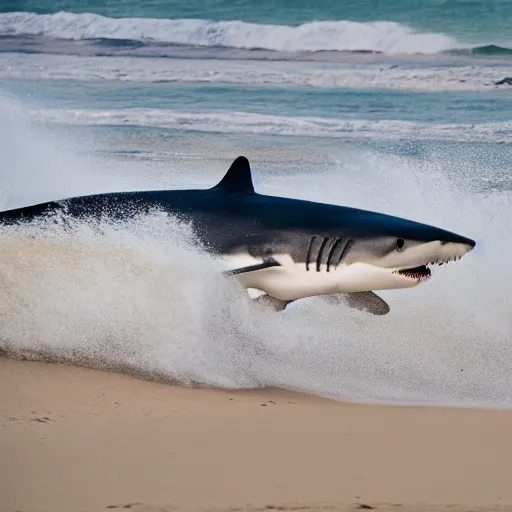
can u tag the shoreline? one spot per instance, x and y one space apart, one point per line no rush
86 440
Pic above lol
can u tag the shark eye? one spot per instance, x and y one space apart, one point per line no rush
400 244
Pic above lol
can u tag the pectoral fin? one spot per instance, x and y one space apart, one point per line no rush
267 263
364 301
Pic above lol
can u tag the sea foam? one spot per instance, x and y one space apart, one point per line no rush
425 77
300 126
378 36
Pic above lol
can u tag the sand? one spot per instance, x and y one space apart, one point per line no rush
74 439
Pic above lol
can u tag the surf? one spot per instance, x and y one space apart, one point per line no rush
238 122
140 297
379 36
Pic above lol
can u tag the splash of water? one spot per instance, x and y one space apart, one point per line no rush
140 297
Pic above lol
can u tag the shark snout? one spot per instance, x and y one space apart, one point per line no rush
461 241
443 251
427 253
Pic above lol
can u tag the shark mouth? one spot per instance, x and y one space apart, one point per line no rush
422 272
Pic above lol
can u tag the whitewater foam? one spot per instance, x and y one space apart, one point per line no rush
139 296
427 77
378 36
84 293
248 122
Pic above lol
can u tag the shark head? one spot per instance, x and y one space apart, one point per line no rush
397 253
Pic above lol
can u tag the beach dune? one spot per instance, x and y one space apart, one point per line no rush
74 439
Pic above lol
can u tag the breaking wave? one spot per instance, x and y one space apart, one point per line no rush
378 36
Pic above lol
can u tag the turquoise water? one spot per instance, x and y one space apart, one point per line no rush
396 106
330 104
473 20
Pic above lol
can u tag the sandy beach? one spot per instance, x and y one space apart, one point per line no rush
74 439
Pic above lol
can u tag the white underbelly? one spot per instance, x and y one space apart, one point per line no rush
291 281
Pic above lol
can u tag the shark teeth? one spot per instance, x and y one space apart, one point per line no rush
422 273
442 262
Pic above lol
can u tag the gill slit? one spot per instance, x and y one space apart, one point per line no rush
320 254
310 248
334 246
345 250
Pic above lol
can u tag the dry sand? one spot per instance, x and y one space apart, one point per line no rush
74 439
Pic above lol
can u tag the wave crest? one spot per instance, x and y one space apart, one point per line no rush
379 36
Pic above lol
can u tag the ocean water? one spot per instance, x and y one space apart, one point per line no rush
395 106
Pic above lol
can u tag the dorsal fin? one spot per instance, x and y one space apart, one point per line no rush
238 178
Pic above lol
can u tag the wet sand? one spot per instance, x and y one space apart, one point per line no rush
74 439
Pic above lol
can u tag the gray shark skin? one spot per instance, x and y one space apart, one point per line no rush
287 248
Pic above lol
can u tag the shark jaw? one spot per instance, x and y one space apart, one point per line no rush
422 272
422 258
446 253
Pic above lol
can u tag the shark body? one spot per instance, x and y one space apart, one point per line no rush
286 248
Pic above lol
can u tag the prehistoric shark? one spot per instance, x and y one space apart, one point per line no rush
286 249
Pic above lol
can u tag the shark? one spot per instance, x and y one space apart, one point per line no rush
284 249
